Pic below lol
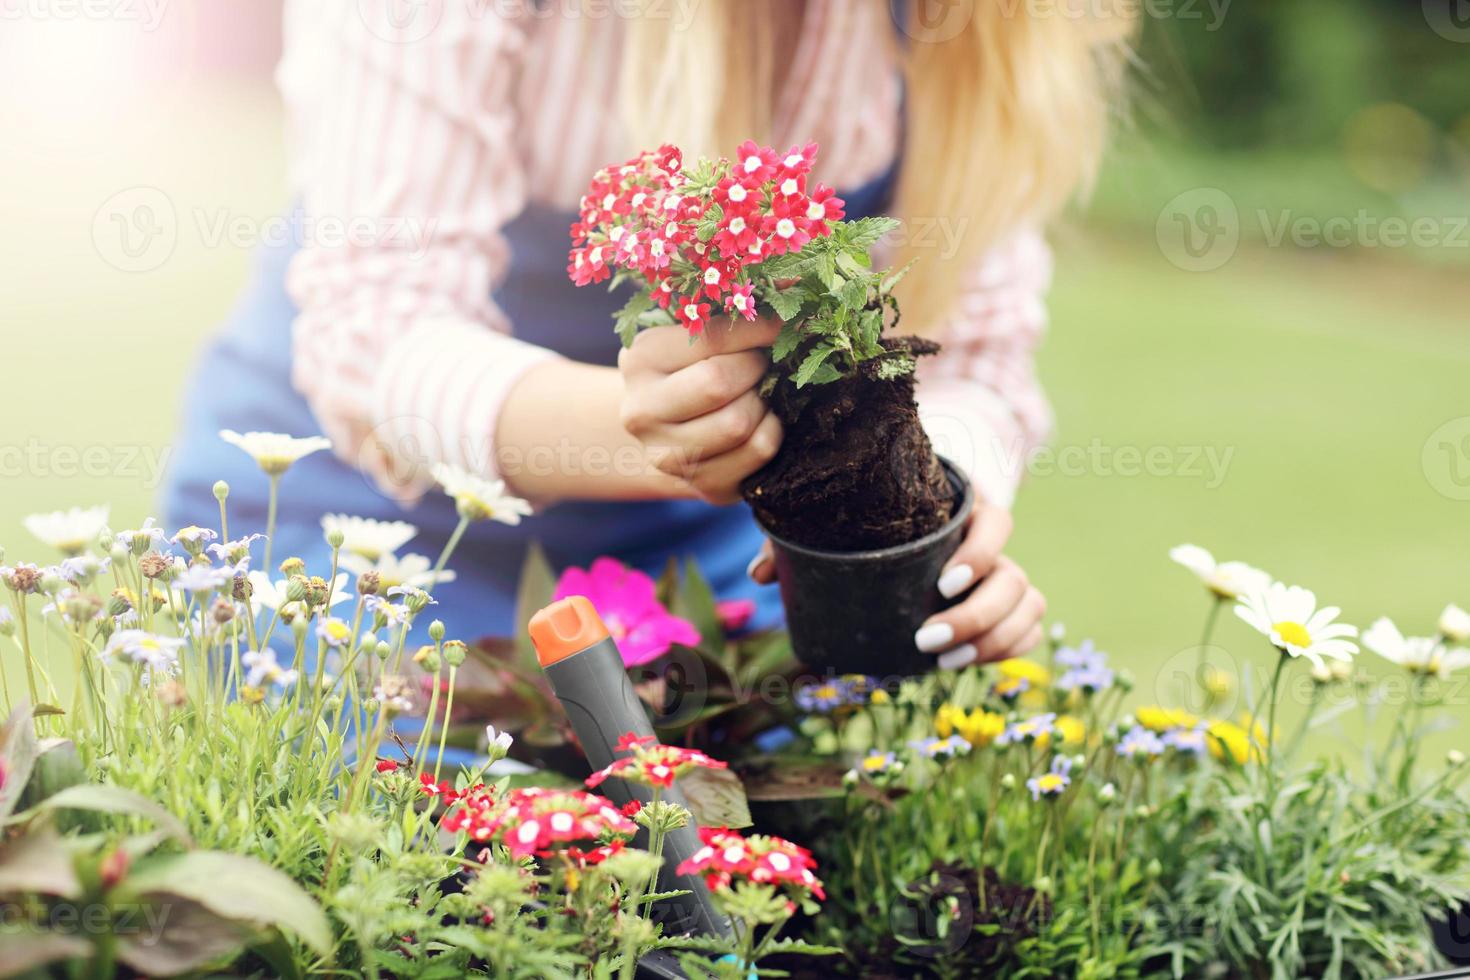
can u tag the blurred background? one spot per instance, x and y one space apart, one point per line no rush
1259 338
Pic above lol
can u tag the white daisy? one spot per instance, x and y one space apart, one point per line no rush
1454 623
69 531
1227 579
411 569
273 452
1289 617
479 499
265 594
1416 654
369 538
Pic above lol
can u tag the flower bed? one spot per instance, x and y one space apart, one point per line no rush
226 789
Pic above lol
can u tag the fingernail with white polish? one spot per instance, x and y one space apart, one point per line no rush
960 656
955 580
754 564
934 637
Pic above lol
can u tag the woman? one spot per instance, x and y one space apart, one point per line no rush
448 144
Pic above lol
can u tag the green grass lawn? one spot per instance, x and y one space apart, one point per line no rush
1314 377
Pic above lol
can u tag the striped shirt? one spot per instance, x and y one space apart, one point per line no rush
426 128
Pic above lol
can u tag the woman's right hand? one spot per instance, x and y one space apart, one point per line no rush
694 406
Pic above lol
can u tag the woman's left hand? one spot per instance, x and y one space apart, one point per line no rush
1000 619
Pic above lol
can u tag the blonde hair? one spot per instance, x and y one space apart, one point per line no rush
1008 104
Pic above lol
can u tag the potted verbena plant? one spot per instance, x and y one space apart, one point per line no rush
860 510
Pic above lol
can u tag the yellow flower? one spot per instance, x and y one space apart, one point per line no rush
1217 682
1028 670
976 726
251 695
1161 719
1229 740
1071 729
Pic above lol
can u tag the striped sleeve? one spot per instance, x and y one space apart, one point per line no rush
980 399
403 142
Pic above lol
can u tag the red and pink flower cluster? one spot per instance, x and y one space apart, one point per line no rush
726 857
644 216
652 764
534 820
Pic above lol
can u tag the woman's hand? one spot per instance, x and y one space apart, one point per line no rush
1000 619
694 406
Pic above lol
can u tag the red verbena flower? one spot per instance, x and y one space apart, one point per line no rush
735 613
726 856
654 765
824 208
387 765
741 302
533 820
442 789
754 165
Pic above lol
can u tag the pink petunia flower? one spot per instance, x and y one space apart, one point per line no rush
627 601
735 613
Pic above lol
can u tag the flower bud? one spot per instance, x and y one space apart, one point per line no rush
317 591
241 589
369 582
1141 812
372 705
1154 868
335 537
1058 632
332 704
154 565
118 553
7 626
119 603
1008 781
114 868
436 631
1044 885
383 650
1455 758
293 566
299 626
296 588
51 583
1108 793
1454 624
221 490
454 652
222 611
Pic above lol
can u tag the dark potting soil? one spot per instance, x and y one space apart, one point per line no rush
855 471
978 941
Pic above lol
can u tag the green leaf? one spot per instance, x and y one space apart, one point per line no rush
38 863
176 936
538 585
791 265
896 367
57 766
854 294
826 270
695 601
787 302
626 319
240 889
811 365
710 223
896 276
716 797
865 232
854 264
787 340
18 751
21 953
105 798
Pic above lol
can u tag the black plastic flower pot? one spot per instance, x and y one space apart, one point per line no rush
855 612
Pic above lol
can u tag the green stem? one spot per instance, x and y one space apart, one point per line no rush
270 520
444 728
449 546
